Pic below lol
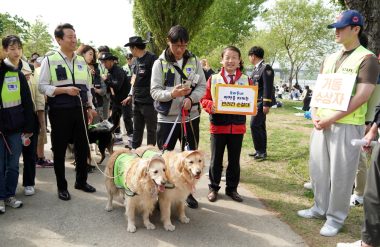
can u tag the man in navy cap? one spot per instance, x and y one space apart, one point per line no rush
333 160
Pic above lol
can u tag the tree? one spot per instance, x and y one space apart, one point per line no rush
221 26
13 25
38 39
304 39
159 16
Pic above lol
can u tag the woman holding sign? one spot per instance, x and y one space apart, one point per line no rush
226 129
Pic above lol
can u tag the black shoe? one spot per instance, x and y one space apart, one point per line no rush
85 187
191 202
234 196
253 155
64 195
260 156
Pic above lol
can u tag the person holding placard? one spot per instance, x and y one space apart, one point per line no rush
226 129
333 160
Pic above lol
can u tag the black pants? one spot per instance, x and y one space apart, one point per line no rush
29 155
218 144
126 112
144 114
259 131
67 125
371 225
163 130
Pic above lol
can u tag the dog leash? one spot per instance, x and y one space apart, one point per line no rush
165 146
6 143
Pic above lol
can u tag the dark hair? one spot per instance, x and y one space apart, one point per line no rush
138 46
178 33
128 56
11 40
235 49
58 32
87 48
104 48
257 51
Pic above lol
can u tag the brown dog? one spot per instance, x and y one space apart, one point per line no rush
144 177
185 169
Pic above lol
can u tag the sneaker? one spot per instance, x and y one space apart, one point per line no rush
2 207
355 244
118 141
356 200
329 231
44 163
223 178
307 185
13 202
29 191
309 214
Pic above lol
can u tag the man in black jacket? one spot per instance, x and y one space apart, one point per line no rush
262 76
143 109
119 85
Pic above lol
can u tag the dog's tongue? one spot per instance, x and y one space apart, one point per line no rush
161 188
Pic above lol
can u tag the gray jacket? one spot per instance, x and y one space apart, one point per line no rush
160 92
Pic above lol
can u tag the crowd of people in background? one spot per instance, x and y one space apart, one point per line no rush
165 94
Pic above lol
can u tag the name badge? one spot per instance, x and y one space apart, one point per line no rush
12 87
10 79
80 67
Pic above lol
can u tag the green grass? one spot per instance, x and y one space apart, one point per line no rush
278 181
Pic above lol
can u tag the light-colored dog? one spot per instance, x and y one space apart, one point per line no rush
185 169
145 177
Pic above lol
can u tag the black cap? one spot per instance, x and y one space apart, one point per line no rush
107 56
136 40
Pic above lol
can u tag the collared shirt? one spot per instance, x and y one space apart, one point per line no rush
258 64
227 76
45 86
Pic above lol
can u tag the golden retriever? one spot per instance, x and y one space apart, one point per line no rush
146 178
185 169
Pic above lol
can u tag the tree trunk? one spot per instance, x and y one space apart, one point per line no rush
370 9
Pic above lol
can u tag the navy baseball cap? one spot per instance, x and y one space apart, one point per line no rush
348 18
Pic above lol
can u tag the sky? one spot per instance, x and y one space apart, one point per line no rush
102 22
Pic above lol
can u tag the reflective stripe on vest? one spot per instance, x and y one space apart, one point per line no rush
80 70
11 91
218 79
349 66
190 67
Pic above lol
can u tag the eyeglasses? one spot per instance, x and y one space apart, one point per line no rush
176 46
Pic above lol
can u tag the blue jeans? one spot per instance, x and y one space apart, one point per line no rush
9 164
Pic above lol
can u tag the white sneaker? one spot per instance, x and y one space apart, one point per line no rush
13 202
29 191
309 214
355 244
223 178
329 231
356 200
2 207
307 185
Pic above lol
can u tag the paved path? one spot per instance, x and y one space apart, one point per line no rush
44 220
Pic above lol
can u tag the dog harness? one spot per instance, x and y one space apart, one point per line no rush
121 163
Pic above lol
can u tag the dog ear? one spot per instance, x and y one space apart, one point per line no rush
143 168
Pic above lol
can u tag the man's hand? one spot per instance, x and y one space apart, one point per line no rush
179 91
91 114
187 104
266 109
127 100
371 135
73 91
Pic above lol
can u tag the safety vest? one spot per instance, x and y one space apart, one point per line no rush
218 79
190 67
11 91
61 76
349 66
121 164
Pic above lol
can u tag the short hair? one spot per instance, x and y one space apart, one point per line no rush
363 39
11 40
257 51
104 48
58 32
178 33
138 46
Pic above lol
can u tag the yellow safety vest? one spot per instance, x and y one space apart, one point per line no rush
349 66
190 67
11 91
218 79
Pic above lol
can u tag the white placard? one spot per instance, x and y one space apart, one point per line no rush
333 91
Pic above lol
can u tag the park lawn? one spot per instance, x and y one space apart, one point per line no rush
278 181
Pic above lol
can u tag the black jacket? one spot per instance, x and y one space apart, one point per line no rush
119 82
19 118
143 72
263 76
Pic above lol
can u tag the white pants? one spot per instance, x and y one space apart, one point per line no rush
333 164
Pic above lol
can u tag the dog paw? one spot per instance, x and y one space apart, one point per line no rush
169 227
184 220
150 226
131 228
109 208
